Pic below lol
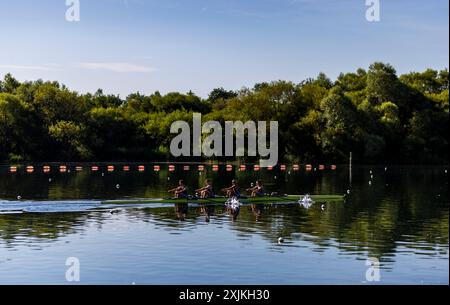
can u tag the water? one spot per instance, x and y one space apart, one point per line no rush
401 219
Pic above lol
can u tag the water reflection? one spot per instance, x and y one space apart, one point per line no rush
181 210
207 211
18 229
403 212
377 234
257 210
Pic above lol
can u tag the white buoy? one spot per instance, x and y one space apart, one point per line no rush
168 178
49 179
322 207
118 186
385 169
280 240
370 172
103 174
275 177
348 192
370 182
371 176
19 197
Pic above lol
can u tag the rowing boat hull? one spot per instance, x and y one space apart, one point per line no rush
221 200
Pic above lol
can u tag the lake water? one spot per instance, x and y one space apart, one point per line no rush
397 215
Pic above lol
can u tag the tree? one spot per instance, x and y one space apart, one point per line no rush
341 133
388 117
112 134
139 103
375 114
20 132
101 100
221 94
428 82
382 84
70 136
9 84
323 81
353 81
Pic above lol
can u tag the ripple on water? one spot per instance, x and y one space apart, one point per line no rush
404 229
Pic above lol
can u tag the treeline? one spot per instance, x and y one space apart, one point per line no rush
379 116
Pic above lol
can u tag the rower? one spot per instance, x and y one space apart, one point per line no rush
180 191
257 190
206 191
233 190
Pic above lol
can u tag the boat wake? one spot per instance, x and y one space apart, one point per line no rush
24 206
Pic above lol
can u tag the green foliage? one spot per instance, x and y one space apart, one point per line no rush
341 124
9 84
382 84
380 117
220 94
353 81
70 137
429 81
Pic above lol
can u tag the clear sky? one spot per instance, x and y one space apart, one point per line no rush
125 46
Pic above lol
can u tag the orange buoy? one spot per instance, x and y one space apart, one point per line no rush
110 168
321 167
46 169
333 167
78 168
13 169
256 168
156 168
242 168
215 168
126 168
141 168
171 168
94 168
30 169
296 167
229 168
186 167
201 168
63 169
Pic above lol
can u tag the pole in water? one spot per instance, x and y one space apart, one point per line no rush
350 163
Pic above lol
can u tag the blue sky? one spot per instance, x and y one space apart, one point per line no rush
125 46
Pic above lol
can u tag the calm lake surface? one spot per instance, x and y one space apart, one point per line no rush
400 218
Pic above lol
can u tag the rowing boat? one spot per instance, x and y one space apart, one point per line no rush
221 200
